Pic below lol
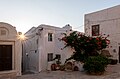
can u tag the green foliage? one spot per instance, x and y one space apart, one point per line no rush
62 67
96 64
77 56
84 46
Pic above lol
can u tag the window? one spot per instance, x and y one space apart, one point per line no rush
50 56
95 30
58 56
49 36
3 32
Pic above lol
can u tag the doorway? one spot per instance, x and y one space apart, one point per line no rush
5 57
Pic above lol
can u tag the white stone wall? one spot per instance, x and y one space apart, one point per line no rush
109 21
47 46
44 46
54 46
59 45
30 52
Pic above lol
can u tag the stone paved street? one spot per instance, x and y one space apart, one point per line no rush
113 72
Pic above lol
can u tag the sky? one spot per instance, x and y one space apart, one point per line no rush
24 14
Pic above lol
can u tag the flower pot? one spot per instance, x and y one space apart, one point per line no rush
113 61
76 68
53 67
68 66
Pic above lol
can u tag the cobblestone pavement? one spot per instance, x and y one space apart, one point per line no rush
112 72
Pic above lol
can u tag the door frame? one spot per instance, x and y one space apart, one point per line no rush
13 51
119 54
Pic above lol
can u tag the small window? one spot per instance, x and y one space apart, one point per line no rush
49 36
58 56
95 30
3 32
50 57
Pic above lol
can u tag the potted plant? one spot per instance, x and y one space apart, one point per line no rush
62 67
69 66
53 67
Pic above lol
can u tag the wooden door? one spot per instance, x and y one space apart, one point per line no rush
5 57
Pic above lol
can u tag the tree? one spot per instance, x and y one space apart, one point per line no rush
84 46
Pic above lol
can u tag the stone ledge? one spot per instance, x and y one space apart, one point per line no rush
8 74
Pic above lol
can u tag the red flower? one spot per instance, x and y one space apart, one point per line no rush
64 39
97 38
107 41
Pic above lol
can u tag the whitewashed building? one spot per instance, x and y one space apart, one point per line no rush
107 22
42 44
10 51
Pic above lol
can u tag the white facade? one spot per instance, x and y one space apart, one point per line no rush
10 50
109 24
36 47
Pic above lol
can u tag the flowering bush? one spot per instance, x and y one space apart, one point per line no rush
84 46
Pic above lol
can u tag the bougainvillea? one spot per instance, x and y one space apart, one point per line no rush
83 45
